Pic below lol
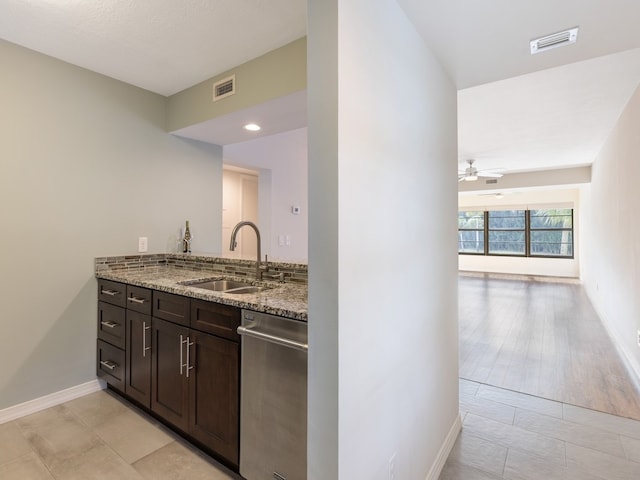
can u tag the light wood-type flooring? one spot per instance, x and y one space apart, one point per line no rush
542 338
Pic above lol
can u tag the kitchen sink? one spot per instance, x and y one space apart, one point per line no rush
245 290
226 286
219 285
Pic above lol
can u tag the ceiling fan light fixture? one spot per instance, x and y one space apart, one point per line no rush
471 178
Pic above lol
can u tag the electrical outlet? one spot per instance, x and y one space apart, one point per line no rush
143 244
392 467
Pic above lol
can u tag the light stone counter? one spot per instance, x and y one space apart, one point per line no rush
282 299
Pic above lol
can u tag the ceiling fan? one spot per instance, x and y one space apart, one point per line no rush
471 173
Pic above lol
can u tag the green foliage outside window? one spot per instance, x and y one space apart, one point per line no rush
532 233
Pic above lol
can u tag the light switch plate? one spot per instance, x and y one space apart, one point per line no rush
143 244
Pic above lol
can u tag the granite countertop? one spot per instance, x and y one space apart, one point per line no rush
282 299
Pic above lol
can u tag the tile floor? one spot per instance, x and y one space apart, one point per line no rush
99 437
510 435
506 435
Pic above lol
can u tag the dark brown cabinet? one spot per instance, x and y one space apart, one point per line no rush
214 394
110 364
138 357
170 388
110 355
177 357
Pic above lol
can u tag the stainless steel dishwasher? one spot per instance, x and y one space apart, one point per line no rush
273 406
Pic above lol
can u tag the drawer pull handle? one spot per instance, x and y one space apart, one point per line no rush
109 364
136 300
111 293
109 324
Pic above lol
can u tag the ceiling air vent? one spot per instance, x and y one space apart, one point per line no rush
223 88
555 40
491 181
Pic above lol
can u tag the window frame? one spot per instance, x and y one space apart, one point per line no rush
527 231
523 230
483 230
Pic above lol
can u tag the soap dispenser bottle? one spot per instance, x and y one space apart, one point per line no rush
186 240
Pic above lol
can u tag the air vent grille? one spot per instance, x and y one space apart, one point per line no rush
491 181
554 40
223 88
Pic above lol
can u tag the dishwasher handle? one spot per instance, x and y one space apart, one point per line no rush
285 342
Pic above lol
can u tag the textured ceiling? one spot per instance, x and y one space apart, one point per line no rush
481 41
549 119
516 111
163 46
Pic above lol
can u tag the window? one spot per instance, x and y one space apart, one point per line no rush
551 233
507 232
471 232
526 233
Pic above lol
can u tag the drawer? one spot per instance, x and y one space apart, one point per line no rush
139 299
111 324
215 318
112 292
173 308
110 364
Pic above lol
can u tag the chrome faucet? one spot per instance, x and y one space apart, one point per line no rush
232 246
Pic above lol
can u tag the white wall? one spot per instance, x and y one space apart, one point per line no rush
382 151
611 250
532 198
86 168
282 162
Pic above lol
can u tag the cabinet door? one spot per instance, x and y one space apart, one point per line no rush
138 351
169 392
214 394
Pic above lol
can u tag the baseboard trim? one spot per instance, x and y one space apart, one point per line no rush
445 450
632 363
32 406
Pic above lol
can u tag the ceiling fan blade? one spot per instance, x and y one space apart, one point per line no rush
489 174
460 179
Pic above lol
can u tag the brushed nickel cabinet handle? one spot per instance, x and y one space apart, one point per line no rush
136 300
181 365
144 339
189 367
109 364
109 324
111 293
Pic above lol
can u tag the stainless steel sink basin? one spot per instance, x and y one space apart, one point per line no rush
227 286
220 285
245 290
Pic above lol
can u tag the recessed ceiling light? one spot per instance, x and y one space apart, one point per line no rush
252 127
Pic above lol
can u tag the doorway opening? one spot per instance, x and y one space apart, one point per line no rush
239 203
